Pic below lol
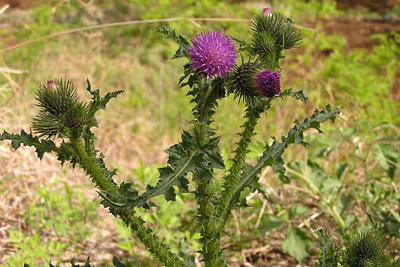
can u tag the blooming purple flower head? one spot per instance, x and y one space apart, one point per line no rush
213 53
268 83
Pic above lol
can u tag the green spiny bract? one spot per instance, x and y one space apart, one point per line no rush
365 249
272 34
242 84
60 110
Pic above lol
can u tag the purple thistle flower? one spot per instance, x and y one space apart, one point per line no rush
213 53
268 83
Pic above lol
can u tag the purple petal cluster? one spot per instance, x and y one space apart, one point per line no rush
267 11
51 83
268 83
213 53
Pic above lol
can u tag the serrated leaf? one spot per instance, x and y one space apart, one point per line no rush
299 95
42 146
330 252
66 153
243 45
183 158
272 155
212 154
297 244
97 101
178 38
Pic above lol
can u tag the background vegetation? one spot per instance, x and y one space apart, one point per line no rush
348 58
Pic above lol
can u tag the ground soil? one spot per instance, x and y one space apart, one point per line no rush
18 3
380 6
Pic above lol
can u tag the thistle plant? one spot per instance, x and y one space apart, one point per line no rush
365 249
217 65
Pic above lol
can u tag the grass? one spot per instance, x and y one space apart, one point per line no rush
348 170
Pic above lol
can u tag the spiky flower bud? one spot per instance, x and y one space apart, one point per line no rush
272 32
60 109
250 82
56 97
213 53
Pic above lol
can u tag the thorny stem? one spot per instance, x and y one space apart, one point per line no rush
205 193
130 218
232 179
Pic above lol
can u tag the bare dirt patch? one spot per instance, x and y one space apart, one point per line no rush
380 6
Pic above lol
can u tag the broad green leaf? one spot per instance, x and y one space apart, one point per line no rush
269 223
349 220
387 156
329 184
297 244
343 203
297 209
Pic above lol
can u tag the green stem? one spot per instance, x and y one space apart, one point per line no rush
149 239
232 179
209 223
130 218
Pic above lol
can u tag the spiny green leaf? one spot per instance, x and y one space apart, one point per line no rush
272 155
330 253
183 158
67 153
243 45
178 38
299 95
42 146
97 101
